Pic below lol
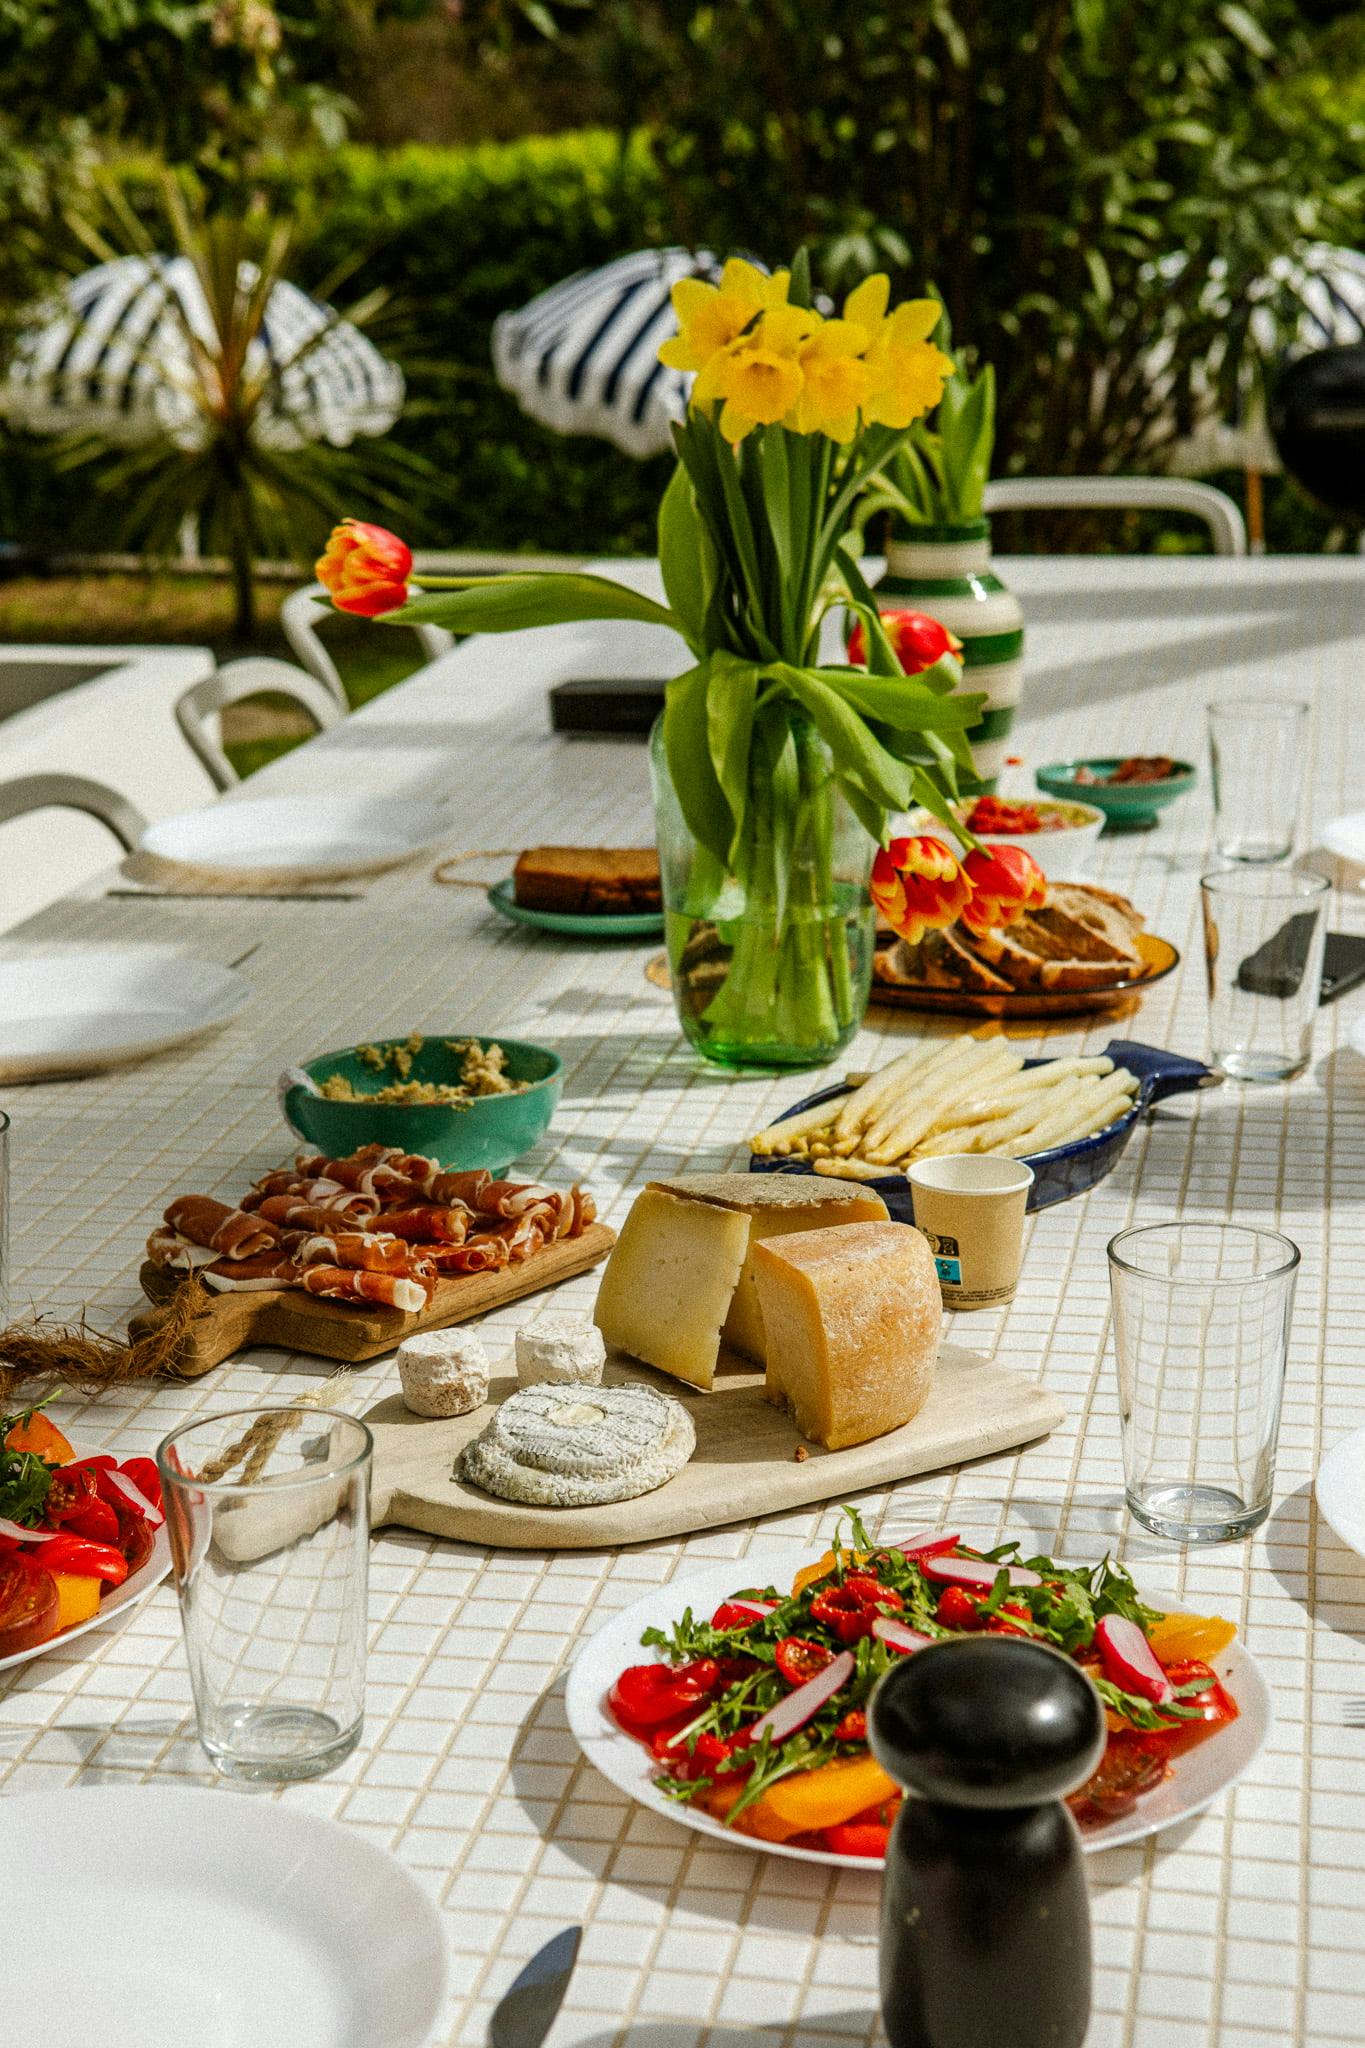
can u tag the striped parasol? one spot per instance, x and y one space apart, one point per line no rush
115 353
583 357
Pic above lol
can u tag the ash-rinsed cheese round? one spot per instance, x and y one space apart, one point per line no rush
572 1447
561 1350
443 1372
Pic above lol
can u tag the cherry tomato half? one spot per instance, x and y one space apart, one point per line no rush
645 1694
28 1606
857 1838
799 1659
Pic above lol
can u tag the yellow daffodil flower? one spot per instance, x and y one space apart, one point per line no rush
866 304
835 381
758 377
711 316
907 373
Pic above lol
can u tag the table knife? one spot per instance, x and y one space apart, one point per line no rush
525 2013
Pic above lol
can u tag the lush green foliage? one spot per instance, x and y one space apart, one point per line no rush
1037 161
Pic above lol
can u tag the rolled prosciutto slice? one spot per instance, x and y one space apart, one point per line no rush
476 1255
251 1276
292 1212
365 1251
428 1225
229 1232
168 1248
342 1283
456 1188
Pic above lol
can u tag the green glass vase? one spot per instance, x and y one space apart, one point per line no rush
771 953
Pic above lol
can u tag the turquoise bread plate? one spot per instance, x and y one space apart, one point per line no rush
1127 806
627 924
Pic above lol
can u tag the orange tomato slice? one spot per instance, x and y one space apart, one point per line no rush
42 1437
1177 1637
78 1597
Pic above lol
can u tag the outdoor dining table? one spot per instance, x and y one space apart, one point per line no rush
1241 1927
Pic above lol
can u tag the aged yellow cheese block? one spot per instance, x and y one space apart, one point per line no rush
669 1283
775 1204
852 1317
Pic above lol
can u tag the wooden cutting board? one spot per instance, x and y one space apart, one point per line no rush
286 1319
745 1462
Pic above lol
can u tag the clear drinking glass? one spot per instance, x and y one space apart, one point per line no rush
4 1220
1201 1334
268 1511
1264 932
1259 751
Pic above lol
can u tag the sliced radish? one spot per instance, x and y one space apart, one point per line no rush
802 1705
897 1636
138 1498
1130 1661
920 1547
976 1571
756 1608
17 1533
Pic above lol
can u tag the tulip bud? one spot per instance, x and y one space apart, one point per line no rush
365 568
1005 881
917 640
918 885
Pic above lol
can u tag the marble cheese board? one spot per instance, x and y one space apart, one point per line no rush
286 1319
745 1463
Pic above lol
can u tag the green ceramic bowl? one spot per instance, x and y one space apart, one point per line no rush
1127 806
489 1130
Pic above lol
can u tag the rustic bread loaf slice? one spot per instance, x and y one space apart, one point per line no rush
940 960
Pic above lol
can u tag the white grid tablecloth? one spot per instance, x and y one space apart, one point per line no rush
1241 1928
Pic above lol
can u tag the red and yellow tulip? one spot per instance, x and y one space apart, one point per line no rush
919 886
365 568
1003 882
917 640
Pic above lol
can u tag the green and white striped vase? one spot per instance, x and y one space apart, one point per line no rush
946 571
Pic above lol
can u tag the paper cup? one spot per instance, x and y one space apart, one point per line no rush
971 1209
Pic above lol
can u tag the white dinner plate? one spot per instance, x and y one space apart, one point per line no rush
135 1587
1196 1778
1340 1488
280 839
212 1920
95 1007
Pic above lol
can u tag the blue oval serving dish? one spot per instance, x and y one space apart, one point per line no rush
1064 1170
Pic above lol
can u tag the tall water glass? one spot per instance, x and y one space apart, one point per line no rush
1201 1335
1264 932
1259 750
268 1511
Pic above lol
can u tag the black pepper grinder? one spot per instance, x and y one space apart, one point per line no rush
985 1933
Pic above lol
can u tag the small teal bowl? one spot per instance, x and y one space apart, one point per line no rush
488 1130
1127 806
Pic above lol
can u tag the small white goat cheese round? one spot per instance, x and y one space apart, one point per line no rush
580 1446
561 1350
444 1372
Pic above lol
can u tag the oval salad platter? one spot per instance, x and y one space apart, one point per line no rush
1197 1776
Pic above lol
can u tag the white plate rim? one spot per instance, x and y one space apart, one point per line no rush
197 1806
226 1001
417 824
627 1765
1347 1451
122 1600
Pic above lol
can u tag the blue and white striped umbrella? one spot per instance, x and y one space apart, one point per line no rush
583 357
114 352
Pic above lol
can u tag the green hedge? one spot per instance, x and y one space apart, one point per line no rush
457 236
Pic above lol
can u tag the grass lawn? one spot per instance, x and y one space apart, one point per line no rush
159 608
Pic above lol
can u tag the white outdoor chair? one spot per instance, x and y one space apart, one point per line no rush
299 616
73 793
197 711
1127 494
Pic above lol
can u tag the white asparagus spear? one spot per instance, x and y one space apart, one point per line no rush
1111 1098
766 1142
919 1116
1031 1081
929 1084
849 1169
857 1109
1016 1112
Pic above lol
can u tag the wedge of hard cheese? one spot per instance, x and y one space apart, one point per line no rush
852 1318
680 1276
